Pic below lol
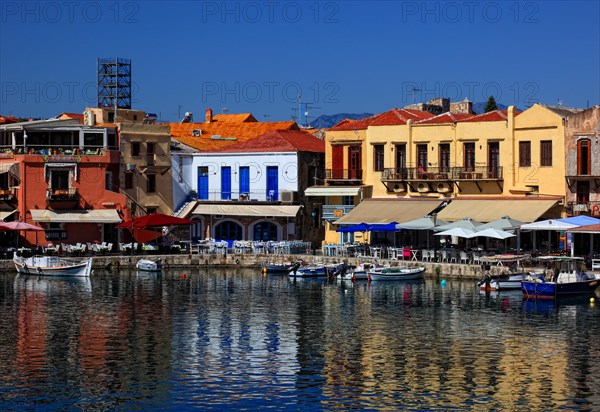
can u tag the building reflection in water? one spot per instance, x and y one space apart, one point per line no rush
238 339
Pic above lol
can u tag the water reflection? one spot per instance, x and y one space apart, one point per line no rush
238 339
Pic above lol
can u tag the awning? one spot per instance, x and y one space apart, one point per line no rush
388 210
247 210
487 210
6 213
332 191
75 216
10 167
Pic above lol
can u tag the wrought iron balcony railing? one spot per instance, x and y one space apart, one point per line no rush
476 173
343 174
583 208
334 212
62 194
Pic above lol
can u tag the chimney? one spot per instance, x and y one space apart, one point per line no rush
208 115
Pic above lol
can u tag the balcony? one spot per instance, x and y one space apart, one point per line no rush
61 195
350 176
414 174
583 208
391 177
334 212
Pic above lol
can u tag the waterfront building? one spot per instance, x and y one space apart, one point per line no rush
583 163
60 174
253 190
465 165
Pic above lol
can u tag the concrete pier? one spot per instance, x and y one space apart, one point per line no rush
115 262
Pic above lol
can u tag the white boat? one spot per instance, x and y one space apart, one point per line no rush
149 265
396 273
359 272
52 266
510 281
316 271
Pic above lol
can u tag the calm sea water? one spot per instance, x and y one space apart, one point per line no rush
240 340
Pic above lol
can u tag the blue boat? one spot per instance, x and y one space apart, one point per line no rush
566 278
316 271
282 268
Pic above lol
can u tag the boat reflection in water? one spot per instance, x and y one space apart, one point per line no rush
50 285
235 339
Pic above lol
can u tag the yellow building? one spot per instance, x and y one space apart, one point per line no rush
458 159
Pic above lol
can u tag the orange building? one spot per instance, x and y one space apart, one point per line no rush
58 174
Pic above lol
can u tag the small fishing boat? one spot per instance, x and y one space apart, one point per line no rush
507 281
52 266
148 265
319 270
359 272
566 278
281 268
396 273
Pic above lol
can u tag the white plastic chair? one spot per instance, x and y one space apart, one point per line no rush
464 257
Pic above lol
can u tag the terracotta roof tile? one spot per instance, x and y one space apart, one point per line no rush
348 124
67 115
234 117
446 117
400 116
279 141
237 132
493 116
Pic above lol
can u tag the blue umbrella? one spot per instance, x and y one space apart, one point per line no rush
361 227
384 227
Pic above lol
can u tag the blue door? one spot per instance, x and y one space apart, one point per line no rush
225 183
272 183
244 180
202 183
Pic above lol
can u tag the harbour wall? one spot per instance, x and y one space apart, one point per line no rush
115 262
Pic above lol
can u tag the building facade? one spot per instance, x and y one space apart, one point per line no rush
59 173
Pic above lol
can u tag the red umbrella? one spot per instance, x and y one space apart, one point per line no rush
19 226
155 220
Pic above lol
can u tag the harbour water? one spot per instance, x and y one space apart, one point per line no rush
238 339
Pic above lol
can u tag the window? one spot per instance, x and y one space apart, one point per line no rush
546 153
244 180
422 156
228 231
584 157
444 157
59 180
469 162
225 183
348 200
150 148
135 148
265 231
151 209
378 157
111 117
524 154
151 187
128 180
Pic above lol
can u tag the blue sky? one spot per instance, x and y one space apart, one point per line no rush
258 56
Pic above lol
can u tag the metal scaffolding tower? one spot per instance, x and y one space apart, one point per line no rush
114 83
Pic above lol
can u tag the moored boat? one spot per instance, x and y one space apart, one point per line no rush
148 265
52 266
281 268
508 281
359 272
567 278
319 270
396 273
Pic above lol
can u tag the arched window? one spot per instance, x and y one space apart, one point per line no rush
584 157
228 230
265 231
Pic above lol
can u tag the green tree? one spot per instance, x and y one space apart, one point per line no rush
490 105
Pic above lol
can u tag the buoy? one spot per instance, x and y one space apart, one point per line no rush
592 300
264 270
443 283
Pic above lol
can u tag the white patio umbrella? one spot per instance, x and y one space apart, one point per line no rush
504 223
466 223
457 231
549 225
493 233
422 223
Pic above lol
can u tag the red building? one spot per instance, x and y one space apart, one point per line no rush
63 176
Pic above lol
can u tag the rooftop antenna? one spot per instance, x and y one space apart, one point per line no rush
308 106
294 113
414 89
224 110
558 102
